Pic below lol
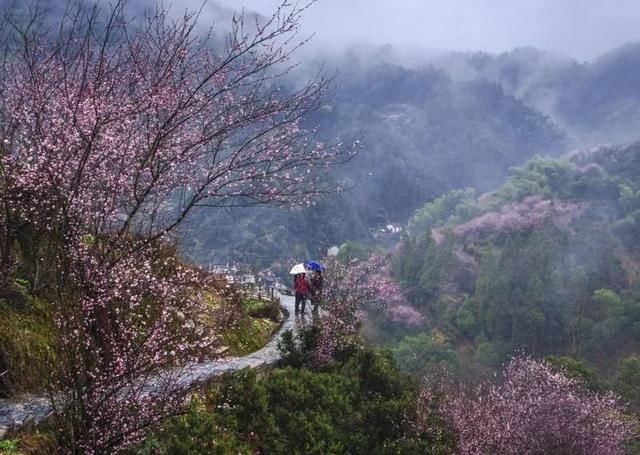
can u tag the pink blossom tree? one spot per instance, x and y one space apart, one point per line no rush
530 213
127 332
112 132
130 128
535 410
352 288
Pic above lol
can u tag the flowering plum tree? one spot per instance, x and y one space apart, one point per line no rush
532 212
351 288
127 331
112 132
131 128
535 410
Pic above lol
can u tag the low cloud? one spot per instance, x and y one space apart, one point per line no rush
582 29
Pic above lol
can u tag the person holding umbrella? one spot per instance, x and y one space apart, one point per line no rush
316 281
302 292
300 286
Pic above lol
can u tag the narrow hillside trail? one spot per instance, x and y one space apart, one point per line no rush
33 409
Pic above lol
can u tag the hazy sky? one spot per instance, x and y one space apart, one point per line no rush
578 28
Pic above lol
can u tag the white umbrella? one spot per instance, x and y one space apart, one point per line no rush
298 268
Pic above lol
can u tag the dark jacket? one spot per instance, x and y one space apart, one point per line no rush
316 282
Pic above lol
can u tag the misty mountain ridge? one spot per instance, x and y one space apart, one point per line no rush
594 102
456 120
537 100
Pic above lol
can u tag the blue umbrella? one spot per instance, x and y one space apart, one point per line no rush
314 265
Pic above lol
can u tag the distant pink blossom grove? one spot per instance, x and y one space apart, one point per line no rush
531 212
535 410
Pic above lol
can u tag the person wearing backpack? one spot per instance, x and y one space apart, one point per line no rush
301 286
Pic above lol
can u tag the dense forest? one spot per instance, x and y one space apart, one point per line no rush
546 265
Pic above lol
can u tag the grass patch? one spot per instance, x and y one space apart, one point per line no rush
249 335
26 345
9 446
30 443
256 323
266 310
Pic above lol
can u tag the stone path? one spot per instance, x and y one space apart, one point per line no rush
32 409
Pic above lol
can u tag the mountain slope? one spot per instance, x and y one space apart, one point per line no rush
548 264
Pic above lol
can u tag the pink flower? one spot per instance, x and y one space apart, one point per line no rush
535 410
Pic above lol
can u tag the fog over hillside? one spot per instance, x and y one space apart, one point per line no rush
581 29
440 97
453 120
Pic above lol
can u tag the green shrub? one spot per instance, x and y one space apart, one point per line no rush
200 431
628 381
297 350
491 354
420 354
266 310
356 406
9 446
578 369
